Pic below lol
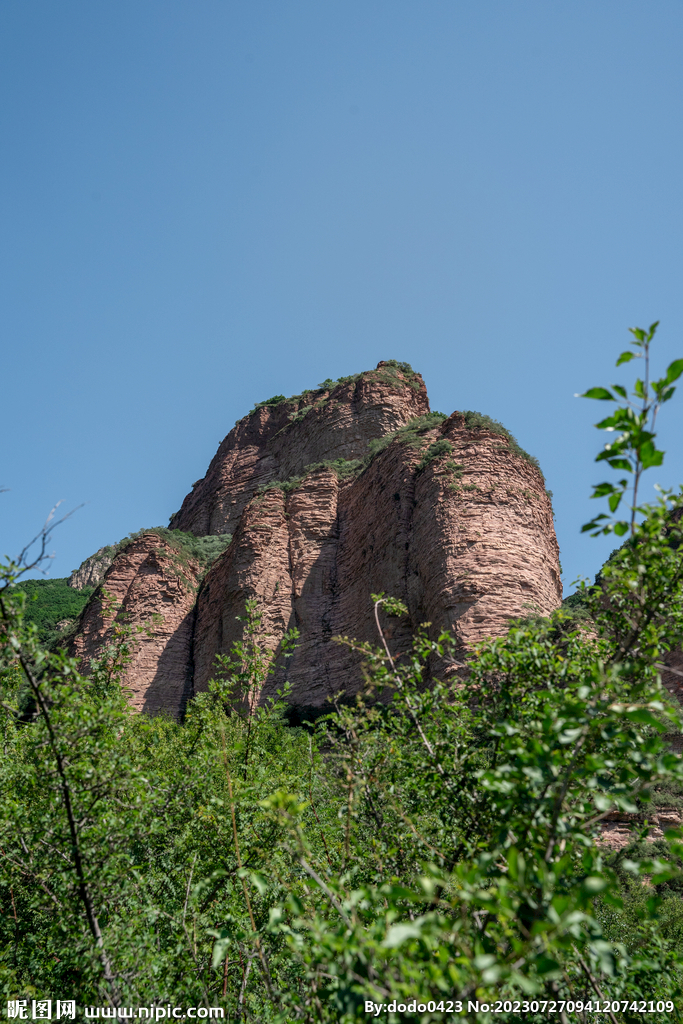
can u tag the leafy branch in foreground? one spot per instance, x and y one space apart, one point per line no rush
634 449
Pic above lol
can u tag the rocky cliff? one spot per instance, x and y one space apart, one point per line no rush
352 489
151 588
279 439
92 570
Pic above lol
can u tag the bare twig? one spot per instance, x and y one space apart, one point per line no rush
189 883
328 892
243 986
414 717
596 988
43 536
310 793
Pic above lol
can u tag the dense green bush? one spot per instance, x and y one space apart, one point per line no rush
441 844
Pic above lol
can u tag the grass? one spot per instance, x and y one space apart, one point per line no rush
411 434
480 421
187 547
438 448
390 373
344 468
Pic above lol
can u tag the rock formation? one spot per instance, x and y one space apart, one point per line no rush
618 828
278 441
92 570
151 588
343 492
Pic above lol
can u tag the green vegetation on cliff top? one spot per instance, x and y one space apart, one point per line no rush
412 434
204 550
51 602
388 373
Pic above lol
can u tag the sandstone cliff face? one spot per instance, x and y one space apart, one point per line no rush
619 829
278 442
452 520
92 570
148 586
466 549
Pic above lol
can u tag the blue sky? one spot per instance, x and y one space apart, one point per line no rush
207 203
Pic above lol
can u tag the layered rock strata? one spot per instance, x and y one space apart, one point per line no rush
454 521
466 549
150 592
619 829
92 570
277 442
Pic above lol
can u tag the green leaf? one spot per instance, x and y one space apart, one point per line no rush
276 917
600 490
594 884
601 393
625 357
615 501
620 390
545 965
398 933
259 882
220 950
610 422
674 371
393 606
649 455
645 717
483 961
621 528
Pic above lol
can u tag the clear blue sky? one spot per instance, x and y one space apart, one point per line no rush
208 203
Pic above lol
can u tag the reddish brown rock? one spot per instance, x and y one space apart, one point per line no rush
466 549
618 829
453 521
278 442
147 585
